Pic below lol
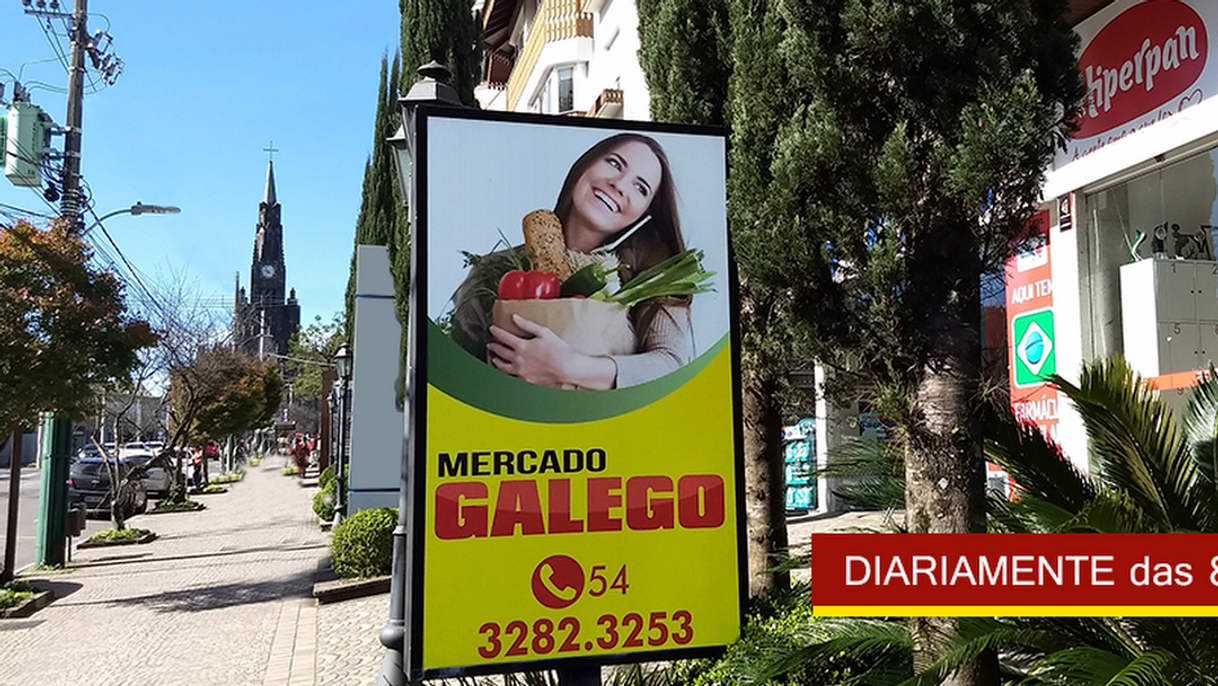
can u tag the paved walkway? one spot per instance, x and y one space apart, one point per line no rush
223 596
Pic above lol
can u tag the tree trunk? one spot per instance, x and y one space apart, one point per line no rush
944 467
764 486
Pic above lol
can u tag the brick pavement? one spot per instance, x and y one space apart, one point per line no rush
223 596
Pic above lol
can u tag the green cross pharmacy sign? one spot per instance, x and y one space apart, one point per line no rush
1035 357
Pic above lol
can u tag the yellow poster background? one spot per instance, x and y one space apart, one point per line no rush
474 588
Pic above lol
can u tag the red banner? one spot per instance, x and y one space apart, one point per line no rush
1097 575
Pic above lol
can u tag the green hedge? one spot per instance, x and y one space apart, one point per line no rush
326 477
363 543
323 500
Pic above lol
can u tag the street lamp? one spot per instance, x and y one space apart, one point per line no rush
343 360
137 209
432 89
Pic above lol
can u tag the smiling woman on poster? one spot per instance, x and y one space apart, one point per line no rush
618 209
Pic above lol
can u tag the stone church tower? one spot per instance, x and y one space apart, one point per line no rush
264 321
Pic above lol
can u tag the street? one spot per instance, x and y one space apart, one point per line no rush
27 519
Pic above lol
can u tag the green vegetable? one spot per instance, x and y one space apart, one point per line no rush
585 282
679 275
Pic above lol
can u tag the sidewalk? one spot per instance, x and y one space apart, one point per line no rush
223 596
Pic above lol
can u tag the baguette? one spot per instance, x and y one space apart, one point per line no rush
545 243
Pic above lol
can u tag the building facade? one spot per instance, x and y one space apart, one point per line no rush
264 320
564 57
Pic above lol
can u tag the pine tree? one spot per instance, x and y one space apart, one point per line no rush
688 51
899 148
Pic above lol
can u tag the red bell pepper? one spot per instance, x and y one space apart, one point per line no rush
532 285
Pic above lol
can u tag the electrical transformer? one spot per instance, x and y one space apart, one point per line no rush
25 146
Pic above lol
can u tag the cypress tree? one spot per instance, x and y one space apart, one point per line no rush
380 204
445 31
689 51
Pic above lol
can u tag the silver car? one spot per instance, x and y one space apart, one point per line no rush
157 478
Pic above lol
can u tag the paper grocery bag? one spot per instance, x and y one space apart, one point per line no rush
593 327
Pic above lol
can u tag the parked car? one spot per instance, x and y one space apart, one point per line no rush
89 486
132 449
158 477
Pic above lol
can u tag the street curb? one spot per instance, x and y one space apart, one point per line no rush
347 589
31 605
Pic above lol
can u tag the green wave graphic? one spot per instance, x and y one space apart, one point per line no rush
454 371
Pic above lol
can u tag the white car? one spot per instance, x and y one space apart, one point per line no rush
129 449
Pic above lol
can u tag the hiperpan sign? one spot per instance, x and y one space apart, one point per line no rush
576 485
1142 62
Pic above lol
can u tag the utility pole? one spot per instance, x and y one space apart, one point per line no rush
70 208
57 450
14 499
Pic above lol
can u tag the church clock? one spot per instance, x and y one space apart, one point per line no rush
268 271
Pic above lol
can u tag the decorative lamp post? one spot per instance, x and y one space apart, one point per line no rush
432 89
343 363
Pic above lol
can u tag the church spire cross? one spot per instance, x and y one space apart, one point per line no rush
271 150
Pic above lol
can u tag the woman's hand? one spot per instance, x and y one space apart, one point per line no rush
547 360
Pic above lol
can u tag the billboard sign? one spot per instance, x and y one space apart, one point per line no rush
575 479
1143 62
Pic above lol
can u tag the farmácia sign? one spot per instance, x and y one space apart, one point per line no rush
575 479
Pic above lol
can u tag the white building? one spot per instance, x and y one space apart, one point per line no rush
577 57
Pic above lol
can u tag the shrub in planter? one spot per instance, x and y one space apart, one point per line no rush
326 476
323 500
363 543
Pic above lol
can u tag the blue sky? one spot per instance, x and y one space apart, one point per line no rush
206 86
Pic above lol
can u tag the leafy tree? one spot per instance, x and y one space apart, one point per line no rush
220 391
64 325
313 349
245 396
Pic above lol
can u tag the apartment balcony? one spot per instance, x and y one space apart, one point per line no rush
561 34
608 104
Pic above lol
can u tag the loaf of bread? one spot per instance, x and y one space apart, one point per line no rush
545 243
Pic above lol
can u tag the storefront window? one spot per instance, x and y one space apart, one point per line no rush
1165 215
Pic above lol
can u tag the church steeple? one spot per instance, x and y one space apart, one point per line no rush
270 200
266 321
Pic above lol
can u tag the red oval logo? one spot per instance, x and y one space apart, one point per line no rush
1145 57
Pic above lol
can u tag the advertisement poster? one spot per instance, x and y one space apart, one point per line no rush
1143 62
576 477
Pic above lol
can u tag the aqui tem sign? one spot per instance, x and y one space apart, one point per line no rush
1035 357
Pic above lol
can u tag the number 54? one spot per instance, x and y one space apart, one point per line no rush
598 584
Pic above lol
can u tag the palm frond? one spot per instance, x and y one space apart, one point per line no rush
1030 514
1136 442
1091 666
870 474
1200 422
1036 464
858 652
